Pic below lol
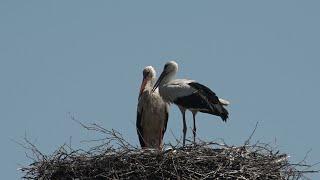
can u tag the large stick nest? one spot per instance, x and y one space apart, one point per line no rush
117 159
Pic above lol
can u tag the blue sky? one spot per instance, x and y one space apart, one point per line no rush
86 57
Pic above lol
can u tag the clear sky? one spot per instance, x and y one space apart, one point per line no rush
86 57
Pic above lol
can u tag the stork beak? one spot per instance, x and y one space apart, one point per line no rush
156 85
143 85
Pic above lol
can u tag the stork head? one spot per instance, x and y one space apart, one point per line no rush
171 67
169 71
149 74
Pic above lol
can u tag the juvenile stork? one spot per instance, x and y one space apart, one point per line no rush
152 112
189 94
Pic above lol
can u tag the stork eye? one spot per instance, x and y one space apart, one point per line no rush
146 73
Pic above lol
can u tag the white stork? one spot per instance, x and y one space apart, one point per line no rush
189 94
152 112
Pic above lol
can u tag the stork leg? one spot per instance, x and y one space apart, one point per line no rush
184 128
194 130
183 112
159 139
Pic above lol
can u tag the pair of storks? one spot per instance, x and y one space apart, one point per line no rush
155 97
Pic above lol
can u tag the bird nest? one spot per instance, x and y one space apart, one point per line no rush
115 158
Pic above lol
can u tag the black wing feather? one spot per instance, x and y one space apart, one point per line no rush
139 128
165 121
212 99
211 96
194 100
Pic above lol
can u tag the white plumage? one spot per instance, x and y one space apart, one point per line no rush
189 94
152 113
176 88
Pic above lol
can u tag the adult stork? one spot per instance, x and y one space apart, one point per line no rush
152 112
189 94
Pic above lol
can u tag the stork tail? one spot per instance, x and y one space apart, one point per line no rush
224 115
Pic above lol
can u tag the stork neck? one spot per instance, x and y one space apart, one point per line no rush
167 79
150 83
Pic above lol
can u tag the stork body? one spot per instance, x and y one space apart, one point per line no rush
189 94
152 113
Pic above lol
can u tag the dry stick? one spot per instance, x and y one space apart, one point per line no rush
254 130
206 160
115 134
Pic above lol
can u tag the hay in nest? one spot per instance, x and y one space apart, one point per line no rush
117 159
